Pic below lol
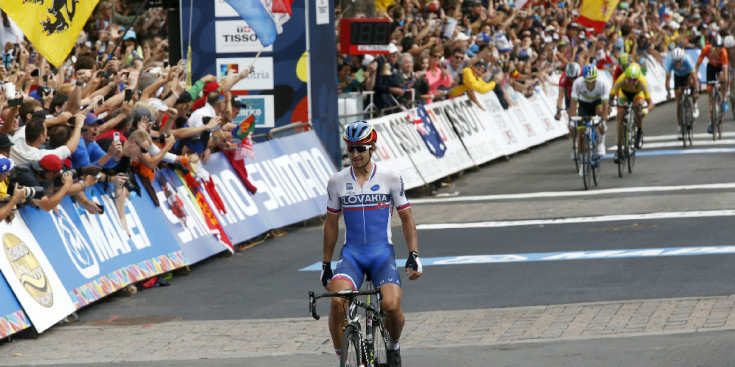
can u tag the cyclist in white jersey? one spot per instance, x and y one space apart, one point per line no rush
366 194
590 96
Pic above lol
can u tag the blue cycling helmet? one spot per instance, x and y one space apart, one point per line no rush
589 72
360 133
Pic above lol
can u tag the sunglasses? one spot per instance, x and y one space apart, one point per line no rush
359 149
629 80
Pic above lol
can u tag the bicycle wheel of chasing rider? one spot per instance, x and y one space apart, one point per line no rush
631 148
683 120
380 340
621 151
351 355
732 98
690 120
595 164
574 150
586 160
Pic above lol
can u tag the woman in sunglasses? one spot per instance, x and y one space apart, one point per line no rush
367 194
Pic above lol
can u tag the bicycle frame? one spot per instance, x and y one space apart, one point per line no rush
715 111
590 161
684 114
374 316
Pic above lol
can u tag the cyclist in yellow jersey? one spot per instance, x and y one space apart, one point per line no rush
631 87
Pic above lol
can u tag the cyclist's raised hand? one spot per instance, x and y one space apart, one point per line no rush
327 275
413 265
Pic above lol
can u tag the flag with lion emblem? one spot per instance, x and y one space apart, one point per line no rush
52 26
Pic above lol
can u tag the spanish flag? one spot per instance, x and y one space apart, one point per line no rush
595 13
52 26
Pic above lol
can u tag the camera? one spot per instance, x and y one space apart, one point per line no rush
74 175
32 192
44 90
162 138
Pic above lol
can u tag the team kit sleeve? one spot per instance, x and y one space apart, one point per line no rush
334 205
575 90
724 58
618 84
644 86
398 191
704 53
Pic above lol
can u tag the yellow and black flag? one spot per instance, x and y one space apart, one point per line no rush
52 26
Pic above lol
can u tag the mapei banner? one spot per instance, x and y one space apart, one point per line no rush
95 255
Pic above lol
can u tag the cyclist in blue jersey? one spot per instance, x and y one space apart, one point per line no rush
367 194
684 74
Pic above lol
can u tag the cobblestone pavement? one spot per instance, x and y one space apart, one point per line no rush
192 340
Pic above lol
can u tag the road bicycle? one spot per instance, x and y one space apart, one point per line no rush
358 350
589 160
626 141
575 151
685 115
716 109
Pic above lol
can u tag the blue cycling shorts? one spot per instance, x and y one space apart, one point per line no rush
377 262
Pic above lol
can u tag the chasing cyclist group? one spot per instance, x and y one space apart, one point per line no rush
582 93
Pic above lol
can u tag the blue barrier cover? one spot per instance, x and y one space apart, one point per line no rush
93 255
195 238
12 318
291 175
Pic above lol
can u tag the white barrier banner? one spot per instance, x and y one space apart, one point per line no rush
501 123
455 159
31 277
476 128
538 111
656 77
390 149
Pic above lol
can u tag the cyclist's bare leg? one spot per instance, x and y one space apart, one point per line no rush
394 318
677 95
638 113
709 100
337 312
693 83
619 117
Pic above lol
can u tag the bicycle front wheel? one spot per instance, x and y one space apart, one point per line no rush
621 152
595 163
380 340
574 150
714 113
586 159
683 119
630 148
351 355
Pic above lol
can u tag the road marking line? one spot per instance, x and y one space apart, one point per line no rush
561 256
571 220
559 194
696 136
668 144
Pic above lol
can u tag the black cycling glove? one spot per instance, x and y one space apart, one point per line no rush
413 262
326 273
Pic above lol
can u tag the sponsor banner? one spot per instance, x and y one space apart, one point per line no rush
236 36
656 77
322 12
456 157
261 107
94 255
31 276
196 239
523 118
537 110
260 78
475 129
501 124
391 148
12 318
291 175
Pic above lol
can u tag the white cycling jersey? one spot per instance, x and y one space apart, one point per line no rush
367 209
580 92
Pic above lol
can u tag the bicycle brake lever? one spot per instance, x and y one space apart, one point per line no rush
312 306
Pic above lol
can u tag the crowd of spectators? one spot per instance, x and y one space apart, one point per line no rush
446 48
106 115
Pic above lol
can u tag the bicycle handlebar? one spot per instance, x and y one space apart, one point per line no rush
580 118
347 294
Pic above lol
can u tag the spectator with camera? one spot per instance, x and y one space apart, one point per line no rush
48 176
18 196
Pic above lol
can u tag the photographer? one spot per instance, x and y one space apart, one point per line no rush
8 203
48 173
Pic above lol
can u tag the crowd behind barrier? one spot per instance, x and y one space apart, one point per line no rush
86 257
